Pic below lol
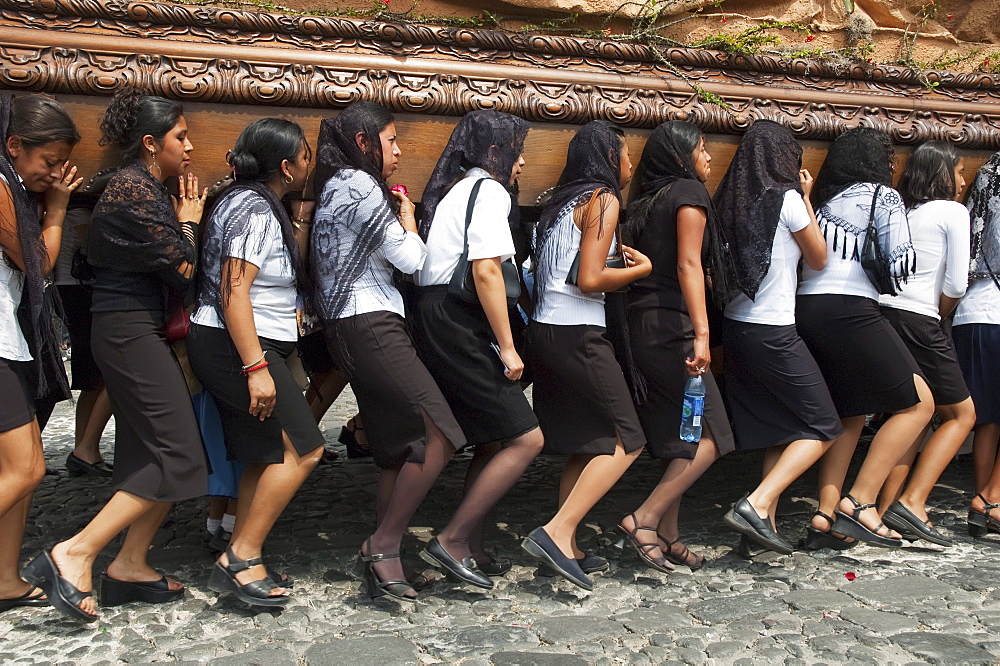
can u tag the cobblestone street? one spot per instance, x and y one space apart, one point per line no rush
867 605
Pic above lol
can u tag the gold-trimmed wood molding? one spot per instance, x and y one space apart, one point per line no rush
226 56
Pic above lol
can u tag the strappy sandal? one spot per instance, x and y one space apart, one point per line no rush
817 539
642 549
396 589
981 522
255 593
348 438
683 558
851 526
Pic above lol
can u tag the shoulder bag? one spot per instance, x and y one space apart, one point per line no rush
873 259
618 261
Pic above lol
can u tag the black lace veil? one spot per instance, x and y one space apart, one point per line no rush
490 140
48 376
749 199
984 209
337 147
859 155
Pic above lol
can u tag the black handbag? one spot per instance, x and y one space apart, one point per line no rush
873 259
462 284
573 274
80 269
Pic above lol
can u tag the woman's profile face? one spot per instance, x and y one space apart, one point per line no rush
390 150
702 161
173 152
516 169
299 168
38 166
960 179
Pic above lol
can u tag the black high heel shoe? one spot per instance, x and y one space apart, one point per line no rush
981 522
744 519
377 587
347 437
64 596
255 593
116 592
851 526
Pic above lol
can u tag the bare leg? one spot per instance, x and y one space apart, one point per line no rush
833 468
896 481
984 453
599 475
93 411
217 507
567 481
260 506
130 564
894 438
494 481
22 466
990 490
784 465
939 452
11 536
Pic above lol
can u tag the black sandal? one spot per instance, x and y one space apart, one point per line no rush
63 595
981 522
682 559
26 599
354 448
851 526
116 592
817 539
255 593
396 589
642 549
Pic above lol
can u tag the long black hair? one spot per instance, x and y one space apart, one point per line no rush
132 115
337 147
859 155
668 156
929 174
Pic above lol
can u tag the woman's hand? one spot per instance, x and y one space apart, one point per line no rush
515 366
57 196
636 259
188 205
263 395
407 211
698 364
806 182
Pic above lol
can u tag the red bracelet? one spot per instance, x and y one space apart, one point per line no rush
261 366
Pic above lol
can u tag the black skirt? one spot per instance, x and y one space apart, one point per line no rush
776 391
867 367
453 340
978 350
392 387
315 355
218 366
18 408
580 395
158 450
76 299
662 339
933 351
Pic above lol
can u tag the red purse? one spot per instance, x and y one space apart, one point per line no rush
178 322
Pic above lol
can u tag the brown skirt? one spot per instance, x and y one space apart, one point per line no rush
393 388
662 338
158 451
580 395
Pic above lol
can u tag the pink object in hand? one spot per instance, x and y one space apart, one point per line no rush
401 189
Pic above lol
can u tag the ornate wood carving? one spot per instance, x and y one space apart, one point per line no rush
238 57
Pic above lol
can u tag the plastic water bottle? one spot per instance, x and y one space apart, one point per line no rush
694 407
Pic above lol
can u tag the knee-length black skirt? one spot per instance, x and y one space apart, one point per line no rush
219 368
662 339
453 340
933 351
19 407
866 366
776 391
580 395
978 349
158 450
392 386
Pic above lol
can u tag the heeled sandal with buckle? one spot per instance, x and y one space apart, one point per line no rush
851 526
981 522
377 587
684 559
817 539
255 593
348 437
642 549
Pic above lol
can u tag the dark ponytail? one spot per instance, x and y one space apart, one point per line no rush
37 120
263 146
132 115
929 174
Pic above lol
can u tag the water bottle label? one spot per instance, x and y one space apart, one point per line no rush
693 407
696 422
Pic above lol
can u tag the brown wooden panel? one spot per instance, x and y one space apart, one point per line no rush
214 128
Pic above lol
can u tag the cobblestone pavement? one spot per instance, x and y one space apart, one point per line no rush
914 605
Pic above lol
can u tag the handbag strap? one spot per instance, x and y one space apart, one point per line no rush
872 233
586 216
468 218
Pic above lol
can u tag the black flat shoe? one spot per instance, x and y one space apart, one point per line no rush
219 541
588 564
116 592
465 571
817 539
744 519
497 566
254 593
63 596
77 467
901 519
981 522
851 526
26 599
540 546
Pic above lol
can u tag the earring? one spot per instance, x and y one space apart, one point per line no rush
159 172
288 179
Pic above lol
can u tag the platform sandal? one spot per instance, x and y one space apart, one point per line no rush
255 593
817 539
396 589
851 526
981 522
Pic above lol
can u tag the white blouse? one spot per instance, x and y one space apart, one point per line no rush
13 346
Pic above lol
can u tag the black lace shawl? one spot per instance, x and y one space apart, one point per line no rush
47 375
491 140
984 210
749 199
337 148
227 227
134 228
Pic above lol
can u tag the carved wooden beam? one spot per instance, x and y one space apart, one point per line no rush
226 56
